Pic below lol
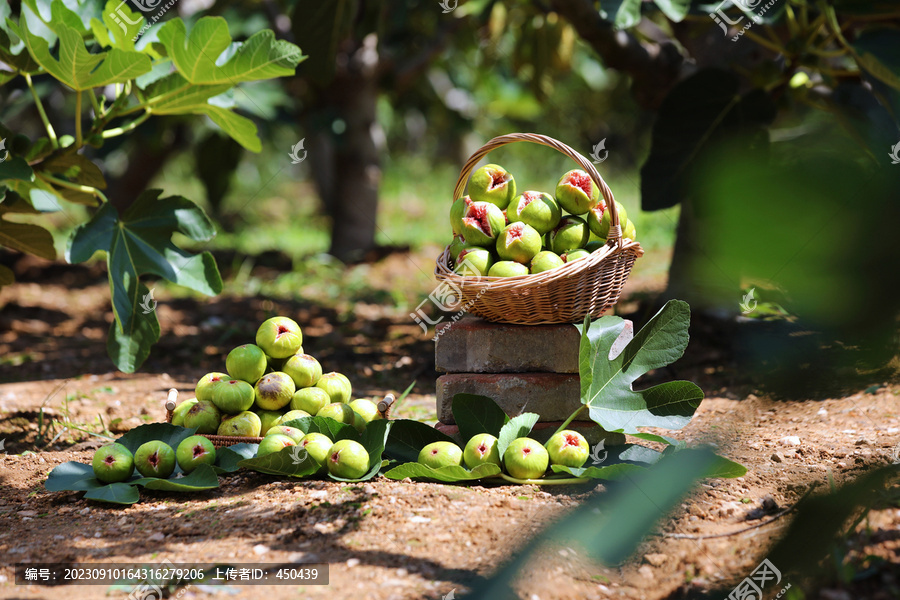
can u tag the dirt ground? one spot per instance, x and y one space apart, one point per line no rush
383 539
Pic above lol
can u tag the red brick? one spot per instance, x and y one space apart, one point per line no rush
553 396
473 345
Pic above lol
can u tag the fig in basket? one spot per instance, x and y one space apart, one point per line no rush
203 416
233 396
181 410
458 244
599 219
518 242
494 184
274 391
537 209
279 337
571 233
457 212
576 192
507 268
573 255
544 261
246 424
206 385
482 223
246 362
474 262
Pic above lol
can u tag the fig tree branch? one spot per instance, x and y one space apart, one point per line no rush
654 68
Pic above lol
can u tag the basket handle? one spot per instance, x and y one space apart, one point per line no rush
615 230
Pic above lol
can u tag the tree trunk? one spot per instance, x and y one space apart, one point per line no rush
344 154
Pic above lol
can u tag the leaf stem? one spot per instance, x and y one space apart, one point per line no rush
40 107
571 418
126 128
73 186
566 481
95 105
78 139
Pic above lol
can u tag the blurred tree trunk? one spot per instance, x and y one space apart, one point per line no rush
344 154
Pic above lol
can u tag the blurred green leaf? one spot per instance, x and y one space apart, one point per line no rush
611 526
698 113
29 238
675 10
878 52
16 168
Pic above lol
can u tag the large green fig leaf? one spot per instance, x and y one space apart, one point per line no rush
202 478
292 461
407 438
450 474
114 493
477 414
75 66
195 54
139 242
607 378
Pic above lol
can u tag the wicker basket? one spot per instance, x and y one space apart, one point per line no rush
220 441
565 294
